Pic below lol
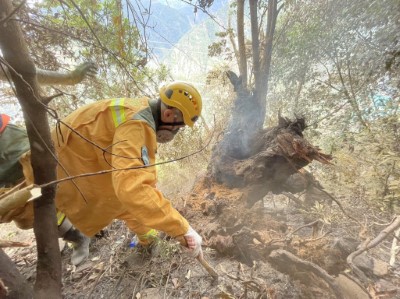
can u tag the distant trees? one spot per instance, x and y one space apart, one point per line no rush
66 33
337 64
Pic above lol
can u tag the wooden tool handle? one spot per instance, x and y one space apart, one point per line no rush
200 258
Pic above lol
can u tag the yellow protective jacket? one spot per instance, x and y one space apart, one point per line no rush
125 129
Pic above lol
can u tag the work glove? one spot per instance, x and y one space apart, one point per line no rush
82 71
193 241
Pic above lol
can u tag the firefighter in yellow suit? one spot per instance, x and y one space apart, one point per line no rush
117 134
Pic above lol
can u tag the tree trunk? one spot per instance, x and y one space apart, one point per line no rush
267 55
255 44
249 109
23 74
241 43
238 140
12 284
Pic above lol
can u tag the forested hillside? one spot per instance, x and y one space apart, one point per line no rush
291 174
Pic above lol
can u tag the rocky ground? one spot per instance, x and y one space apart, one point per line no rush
275 249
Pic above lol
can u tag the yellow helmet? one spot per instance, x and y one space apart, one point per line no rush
185 97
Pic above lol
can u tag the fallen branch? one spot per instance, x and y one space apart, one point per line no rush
395 249
290 264
6 243
370 244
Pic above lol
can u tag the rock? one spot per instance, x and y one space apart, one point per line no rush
380 268
370 266
350 289
345 245
364 263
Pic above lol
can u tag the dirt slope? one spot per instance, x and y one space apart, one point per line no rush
238 242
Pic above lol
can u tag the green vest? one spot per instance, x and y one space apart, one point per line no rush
13 143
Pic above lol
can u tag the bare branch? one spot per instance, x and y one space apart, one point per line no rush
395 249
47 100
371 244
6 243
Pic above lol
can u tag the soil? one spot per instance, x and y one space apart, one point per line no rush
238 242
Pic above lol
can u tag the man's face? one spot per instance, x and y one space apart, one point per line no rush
165 133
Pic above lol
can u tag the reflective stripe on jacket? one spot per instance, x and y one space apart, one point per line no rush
125 129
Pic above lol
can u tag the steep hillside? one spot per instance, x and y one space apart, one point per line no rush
189 59
169 21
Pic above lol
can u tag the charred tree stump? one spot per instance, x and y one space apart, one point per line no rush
277 153
237 143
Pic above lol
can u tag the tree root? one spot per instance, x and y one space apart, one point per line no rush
370 244
288 263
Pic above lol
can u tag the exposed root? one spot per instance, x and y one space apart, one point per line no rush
288 263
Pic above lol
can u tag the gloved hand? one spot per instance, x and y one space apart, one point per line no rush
82 71
193 241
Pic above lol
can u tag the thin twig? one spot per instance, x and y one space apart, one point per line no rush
166 283
97 280
289 236
315 239
303 226
371 244
48 99
294 198
117 284
127 168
